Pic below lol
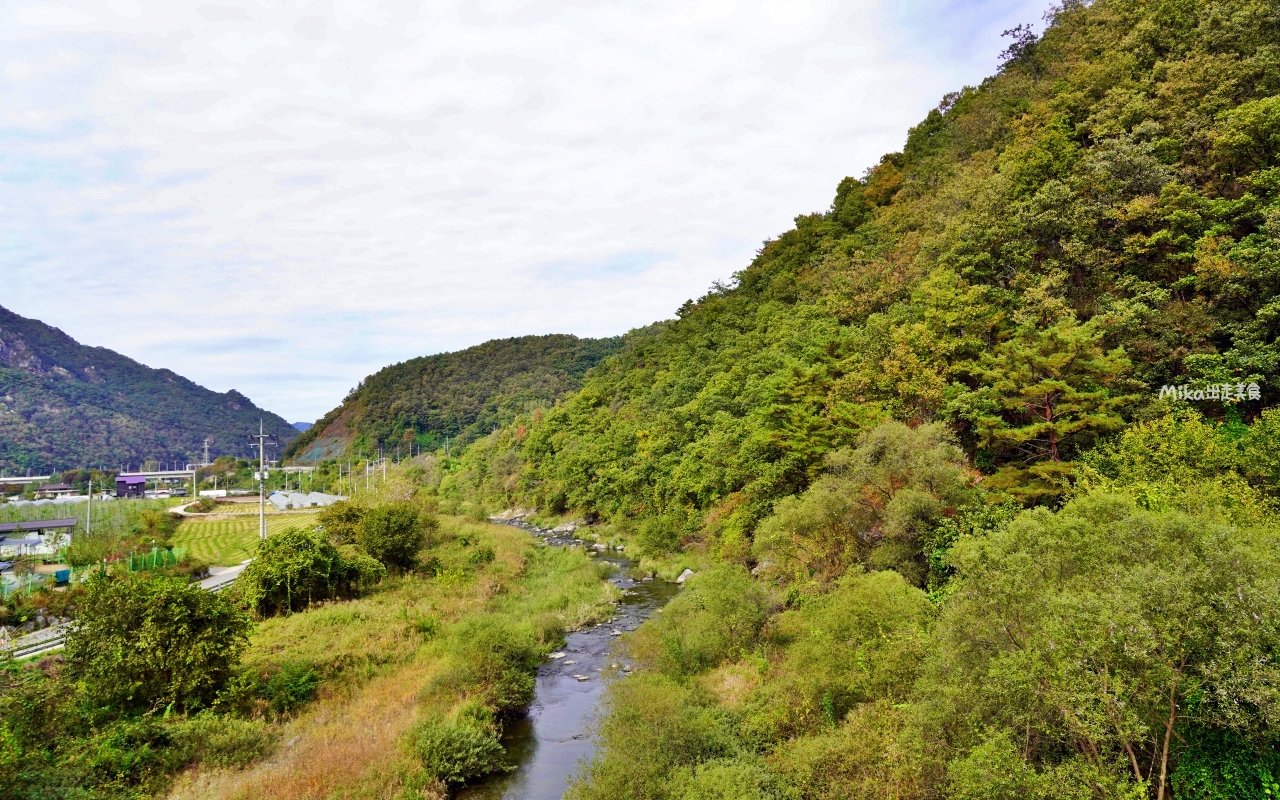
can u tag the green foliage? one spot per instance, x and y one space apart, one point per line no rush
462 395
290 687
1097 629
154 643
1041 394
860 643
341 521
718 616
221 741
72 404
158 526
452 752
876 505
654 733
298 567
495 660
735 779
1181 461
1221 765
393 533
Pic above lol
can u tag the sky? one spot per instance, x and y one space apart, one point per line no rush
284 197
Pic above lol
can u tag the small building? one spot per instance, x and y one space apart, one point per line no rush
51 490
35 537
131 486
288 500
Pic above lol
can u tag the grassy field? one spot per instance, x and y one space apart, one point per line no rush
224 542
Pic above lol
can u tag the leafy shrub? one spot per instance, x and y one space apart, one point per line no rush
158 526
144 643
718 616
876 505
493 659
296 567
452 752
202 506
393 533
221 741
735 779
655 732
866 756
341 521
289 688
481 555
861 643
1220 765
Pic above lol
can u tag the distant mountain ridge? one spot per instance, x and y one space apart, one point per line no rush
460 396
64 404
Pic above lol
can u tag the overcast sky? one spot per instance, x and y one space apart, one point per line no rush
283 197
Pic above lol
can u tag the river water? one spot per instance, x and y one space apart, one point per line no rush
547 746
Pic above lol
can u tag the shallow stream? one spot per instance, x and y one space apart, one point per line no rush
550 743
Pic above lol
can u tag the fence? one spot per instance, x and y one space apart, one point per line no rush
157 559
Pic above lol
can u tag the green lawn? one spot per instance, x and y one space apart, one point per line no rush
224 542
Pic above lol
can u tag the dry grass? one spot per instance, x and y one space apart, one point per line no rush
347 746
732 684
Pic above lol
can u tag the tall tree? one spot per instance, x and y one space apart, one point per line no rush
1044 392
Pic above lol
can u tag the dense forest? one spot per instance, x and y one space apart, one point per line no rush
416 404
1049 249
983 455
63 404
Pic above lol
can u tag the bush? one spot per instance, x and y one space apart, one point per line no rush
452 752
153 643
655 732
220 741
202 506
295 568
482 555
735 779
392 533
290 687
495 660
718 616
158 526
341 521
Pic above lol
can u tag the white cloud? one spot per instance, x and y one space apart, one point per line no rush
244 191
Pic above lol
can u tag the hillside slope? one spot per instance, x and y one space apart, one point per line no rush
1049 249
64 404
461 395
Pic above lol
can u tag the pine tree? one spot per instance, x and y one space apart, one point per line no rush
1043 392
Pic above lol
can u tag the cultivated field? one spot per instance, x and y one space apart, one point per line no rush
230 540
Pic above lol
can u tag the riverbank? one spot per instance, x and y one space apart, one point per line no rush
399 657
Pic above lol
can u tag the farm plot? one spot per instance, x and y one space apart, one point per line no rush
228 541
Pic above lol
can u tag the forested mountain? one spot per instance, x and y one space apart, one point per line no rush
1050 248
63 404
462 395
981 463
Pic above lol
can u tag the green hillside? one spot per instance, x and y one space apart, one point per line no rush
462 395
63 405
1096 221
978 469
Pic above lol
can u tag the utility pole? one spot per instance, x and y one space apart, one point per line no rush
261 439
88 512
